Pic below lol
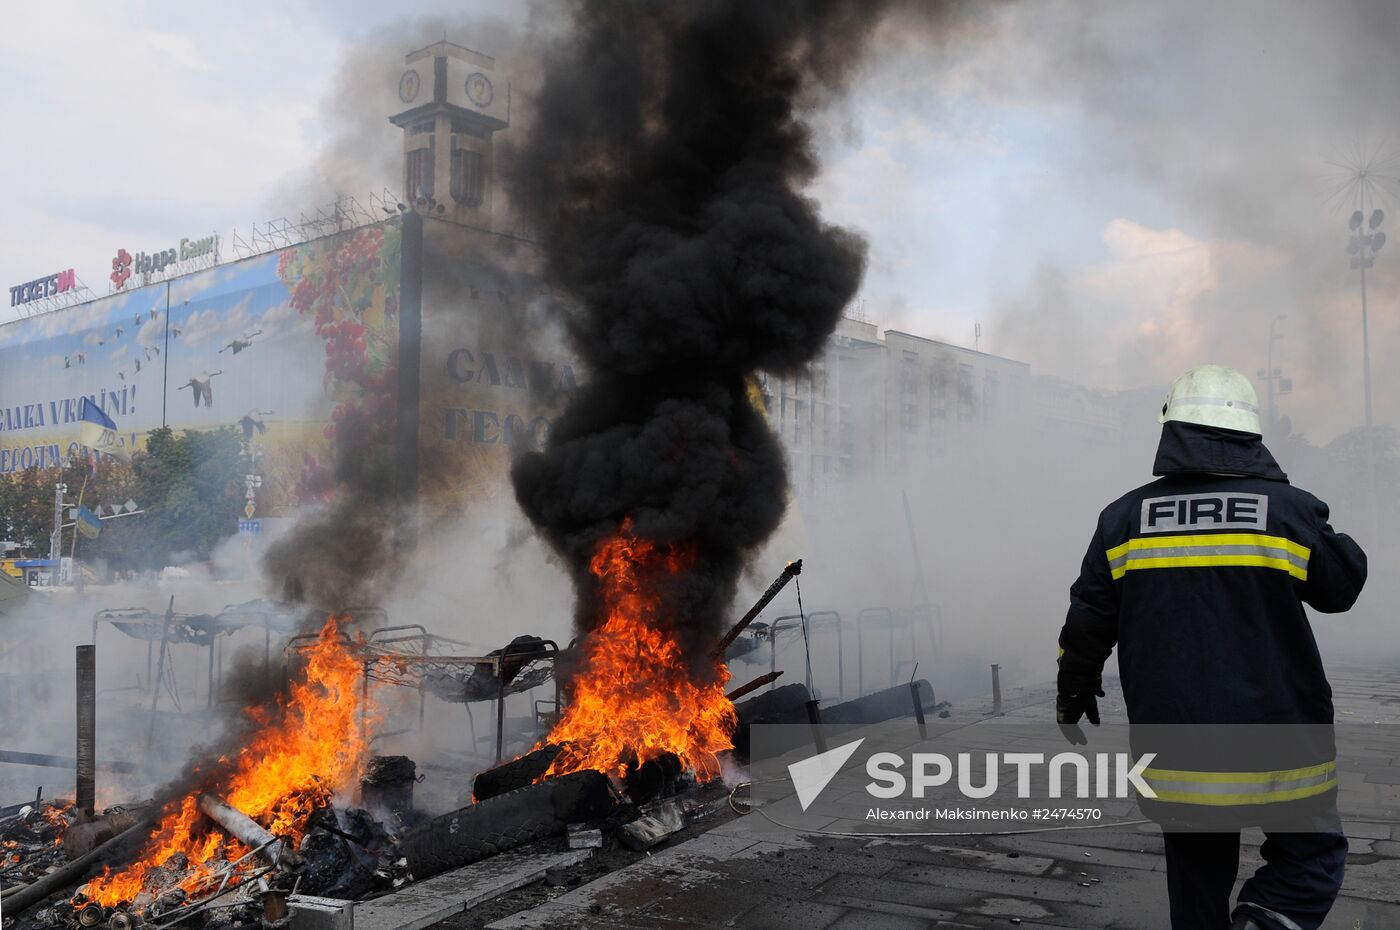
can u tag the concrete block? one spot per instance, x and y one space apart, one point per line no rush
312 913
653 827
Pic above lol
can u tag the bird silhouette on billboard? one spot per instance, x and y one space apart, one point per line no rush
252 420
238 345
201 387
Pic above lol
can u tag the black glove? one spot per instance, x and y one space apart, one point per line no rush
1070 707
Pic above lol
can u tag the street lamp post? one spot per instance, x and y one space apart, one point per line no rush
1364 245
1273 376
56 540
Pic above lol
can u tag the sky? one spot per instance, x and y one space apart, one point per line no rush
1112 191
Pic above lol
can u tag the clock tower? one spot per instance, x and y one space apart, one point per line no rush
454 100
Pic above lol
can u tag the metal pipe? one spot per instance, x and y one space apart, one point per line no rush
773 647
500 709
85 754
996 690
860 654
893 680
62 762
789 572
918 708
814 717
160 671
840 659
247 831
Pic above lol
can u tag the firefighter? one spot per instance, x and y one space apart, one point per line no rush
1199 579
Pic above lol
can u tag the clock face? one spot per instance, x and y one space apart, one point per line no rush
408 86
479 90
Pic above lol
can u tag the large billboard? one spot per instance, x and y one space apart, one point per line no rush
494 369
281 347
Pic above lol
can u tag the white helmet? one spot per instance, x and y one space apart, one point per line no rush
1213 395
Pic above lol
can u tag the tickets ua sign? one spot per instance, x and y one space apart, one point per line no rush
49 285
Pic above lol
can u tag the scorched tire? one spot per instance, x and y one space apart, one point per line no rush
487 828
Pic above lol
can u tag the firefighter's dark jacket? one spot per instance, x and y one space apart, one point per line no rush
1199 579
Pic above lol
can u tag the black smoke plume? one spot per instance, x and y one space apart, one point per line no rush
338 557
664 180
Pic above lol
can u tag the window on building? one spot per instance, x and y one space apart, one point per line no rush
420 171
965 398
991 390
468 177
938 394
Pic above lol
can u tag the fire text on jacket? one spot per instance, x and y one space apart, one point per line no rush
1218 511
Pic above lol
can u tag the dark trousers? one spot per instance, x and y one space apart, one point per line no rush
1299 880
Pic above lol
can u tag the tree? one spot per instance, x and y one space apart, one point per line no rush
1347 454
26 509
190 486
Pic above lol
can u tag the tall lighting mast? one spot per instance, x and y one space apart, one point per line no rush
1363 246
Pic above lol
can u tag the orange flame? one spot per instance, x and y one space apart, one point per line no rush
57 815
636 695
293 765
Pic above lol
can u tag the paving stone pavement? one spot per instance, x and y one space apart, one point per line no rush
425 903
752 874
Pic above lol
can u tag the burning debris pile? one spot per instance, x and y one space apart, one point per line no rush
291 768
667 195
31 841
248 827
636 697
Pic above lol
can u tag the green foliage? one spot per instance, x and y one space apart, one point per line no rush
26 508
190 485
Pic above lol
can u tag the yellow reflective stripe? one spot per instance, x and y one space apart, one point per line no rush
1218 539
1208 561
1231 778
1262 797
1222 789
1135 553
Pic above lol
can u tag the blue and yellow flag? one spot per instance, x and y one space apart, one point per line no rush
88 523
98 431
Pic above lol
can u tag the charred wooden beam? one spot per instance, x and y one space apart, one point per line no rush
114 852
248 831
754 685
789 572
517 773
85 755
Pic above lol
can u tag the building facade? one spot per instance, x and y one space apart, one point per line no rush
878 403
